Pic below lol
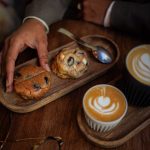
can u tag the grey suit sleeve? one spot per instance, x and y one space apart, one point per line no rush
48 10
132 17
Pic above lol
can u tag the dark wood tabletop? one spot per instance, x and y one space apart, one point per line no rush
59 118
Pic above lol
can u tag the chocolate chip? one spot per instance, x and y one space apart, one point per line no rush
46 79
37 86
75 51
17 74
70 61
80 52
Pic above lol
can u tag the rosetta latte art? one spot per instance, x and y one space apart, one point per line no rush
141 66
103 105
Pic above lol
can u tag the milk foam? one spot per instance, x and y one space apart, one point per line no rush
103 105
141 67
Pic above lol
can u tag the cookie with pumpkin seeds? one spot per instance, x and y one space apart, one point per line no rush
70 63
32 82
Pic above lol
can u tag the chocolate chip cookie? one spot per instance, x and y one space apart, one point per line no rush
70 63
32 82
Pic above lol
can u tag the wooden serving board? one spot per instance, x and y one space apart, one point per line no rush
60 87
136 119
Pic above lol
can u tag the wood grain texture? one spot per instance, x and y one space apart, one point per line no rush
59 117
60 87
128 128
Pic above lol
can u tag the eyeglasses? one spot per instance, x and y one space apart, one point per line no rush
49 143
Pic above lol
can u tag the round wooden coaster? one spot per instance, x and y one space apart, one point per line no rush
114 138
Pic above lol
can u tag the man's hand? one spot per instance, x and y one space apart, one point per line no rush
31 34
95 10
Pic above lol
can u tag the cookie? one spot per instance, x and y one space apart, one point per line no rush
32 82
70 63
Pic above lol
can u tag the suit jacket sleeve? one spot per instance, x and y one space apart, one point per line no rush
132 17
48 10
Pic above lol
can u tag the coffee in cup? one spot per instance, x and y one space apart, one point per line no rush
104 107
137 76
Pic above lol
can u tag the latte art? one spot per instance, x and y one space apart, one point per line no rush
141 66
103 105
138 63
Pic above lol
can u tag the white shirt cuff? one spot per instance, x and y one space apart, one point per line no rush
108 14
40 20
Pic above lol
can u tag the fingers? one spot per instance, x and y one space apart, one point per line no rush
25 36
3 56
95 10
88 13
10 74
11 56
43 54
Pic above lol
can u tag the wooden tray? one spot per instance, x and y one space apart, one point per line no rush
135 120
61 87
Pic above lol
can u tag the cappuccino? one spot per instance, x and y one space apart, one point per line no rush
137 76
138 64
104 104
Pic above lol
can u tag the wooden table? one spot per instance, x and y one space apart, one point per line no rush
59 117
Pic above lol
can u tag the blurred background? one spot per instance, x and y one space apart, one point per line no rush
11 14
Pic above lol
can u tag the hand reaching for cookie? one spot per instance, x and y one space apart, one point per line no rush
94 10
31 34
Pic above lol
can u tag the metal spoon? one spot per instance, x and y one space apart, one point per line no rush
99 53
